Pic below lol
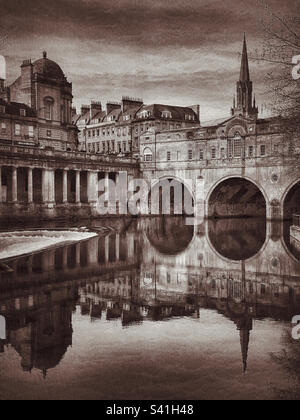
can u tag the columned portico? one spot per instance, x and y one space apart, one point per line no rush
51 185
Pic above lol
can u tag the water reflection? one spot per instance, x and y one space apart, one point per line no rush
237 239
152 271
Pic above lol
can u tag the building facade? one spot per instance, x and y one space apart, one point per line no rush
247 165
117 131
36 109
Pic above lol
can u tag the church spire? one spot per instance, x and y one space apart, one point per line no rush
244 105
245 73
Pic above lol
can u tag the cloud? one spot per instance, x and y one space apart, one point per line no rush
165 50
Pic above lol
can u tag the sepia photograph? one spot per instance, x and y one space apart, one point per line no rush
149 203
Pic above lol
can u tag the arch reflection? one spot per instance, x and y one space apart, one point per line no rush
169 235
237 239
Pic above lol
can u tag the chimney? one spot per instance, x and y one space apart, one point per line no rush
84 109
2 85
128 102
196 109
26 73
96 106
110 106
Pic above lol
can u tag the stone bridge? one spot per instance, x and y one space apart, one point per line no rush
238 167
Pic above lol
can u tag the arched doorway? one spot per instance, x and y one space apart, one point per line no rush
236 197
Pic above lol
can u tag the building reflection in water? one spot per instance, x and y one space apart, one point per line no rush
154 270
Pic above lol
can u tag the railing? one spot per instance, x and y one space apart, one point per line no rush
296 220
82 156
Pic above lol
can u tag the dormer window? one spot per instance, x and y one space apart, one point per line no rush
144 114
189 117
23 112
166 114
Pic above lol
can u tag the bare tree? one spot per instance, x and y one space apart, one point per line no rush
281 42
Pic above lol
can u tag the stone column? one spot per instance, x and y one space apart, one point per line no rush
30 186
92 187
77 187
106 186
48 186
14 193
65 258
65 186
117 247
78 254
130 246
51 184
106 249
93 251
45 188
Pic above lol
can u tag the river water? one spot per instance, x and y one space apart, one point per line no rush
154 309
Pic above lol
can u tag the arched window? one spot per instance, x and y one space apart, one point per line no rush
147 155
48 105
237 146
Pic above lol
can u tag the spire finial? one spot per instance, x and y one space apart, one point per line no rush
245 74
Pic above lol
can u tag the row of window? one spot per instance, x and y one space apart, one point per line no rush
22 111
126 130
17 129
108 132
237 152
108 146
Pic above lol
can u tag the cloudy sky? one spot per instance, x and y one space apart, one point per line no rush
179 52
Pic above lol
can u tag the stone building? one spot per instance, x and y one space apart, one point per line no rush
41 170
117 131
37 107
246 164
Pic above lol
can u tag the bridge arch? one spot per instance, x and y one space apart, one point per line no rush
186 187
290 203
237 196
